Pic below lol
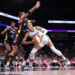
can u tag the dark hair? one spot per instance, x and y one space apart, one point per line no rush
28 22
20 13
12 22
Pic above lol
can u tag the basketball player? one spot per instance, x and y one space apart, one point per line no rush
41 32
9 34
22 27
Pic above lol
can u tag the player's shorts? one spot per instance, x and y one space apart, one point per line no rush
9 41
45 40
17 40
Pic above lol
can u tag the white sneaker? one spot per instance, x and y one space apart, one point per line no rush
30 66
7 67
26 68
67 62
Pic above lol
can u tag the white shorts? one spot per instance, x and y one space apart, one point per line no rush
45 40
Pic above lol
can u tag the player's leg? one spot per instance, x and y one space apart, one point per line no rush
8 48
34 51
14 49
12 55
58 52
27 52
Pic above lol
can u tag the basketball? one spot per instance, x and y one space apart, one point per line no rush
37 40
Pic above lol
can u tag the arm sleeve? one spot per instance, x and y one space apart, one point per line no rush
44 31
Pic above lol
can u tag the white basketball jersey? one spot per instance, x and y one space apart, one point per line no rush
35 33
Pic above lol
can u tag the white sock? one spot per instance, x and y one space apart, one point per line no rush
32 54
56 51
30 64
24 63
8 63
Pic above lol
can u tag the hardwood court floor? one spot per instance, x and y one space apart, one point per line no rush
54 72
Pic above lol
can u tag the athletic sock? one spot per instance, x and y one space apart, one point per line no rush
24 63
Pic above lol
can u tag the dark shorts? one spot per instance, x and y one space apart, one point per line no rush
17 41
9 41
27 50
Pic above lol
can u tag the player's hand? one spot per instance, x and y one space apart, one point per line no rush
33 42
37 5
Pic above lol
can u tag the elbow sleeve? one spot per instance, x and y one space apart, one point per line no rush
44 31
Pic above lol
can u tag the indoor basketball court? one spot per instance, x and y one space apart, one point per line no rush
37 37
53 72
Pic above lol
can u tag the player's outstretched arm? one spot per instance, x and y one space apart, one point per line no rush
24 42
36 6
3 32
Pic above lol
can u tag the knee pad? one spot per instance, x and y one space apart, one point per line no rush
32 54
56 51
